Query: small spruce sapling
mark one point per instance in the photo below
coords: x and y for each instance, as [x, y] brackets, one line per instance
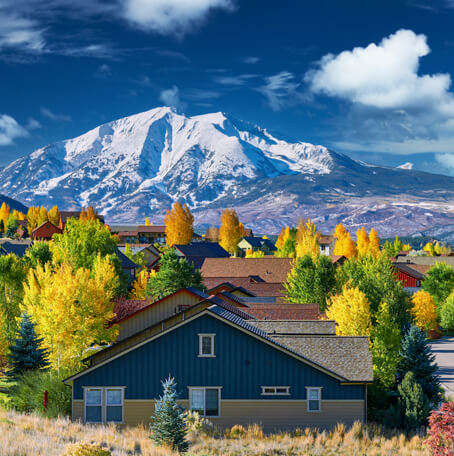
[168, 424]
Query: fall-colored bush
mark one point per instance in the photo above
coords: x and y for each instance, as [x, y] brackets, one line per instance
[85, 449]
[441, 430]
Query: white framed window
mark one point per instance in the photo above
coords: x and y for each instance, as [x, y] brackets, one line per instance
[206, 401]
[103, 404]
[206, 345]
[275, 390]
[314, 399]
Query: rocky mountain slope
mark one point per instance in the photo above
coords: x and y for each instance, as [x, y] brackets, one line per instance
[137, 166]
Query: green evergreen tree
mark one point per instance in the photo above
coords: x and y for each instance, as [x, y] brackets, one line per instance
[168, 424]
[311, 281]
[25, 352]
[413, 403]
[174, 273]
[416, 357]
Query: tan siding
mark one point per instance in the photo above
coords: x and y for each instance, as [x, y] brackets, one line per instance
[272, 415]
[154, 314]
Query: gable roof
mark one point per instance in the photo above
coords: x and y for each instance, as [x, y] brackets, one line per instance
[137, 248]
[47, 222]
[359, 370]
[252, 241]
[202, 249]
[298, 327]
[418, 271]
[126, 263]
[325, 239]
[284, 311]
[245, 284]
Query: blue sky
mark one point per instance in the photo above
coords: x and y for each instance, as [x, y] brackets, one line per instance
[368, 78]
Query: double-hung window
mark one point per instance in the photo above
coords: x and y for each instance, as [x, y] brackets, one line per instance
[205, 400]
[314, 398]
[206, 345]
[104, 404]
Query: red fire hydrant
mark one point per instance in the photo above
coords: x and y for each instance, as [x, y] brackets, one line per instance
[46, 400]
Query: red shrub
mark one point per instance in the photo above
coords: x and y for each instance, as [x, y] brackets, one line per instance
[441, 430]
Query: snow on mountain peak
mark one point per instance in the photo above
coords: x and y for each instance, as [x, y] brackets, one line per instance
[407, 165]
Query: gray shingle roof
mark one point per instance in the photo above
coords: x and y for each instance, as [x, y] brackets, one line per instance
[287, 327]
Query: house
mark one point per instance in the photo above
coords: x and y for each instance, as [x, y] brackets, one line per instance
[424, 260]
[140, 234]
[128, 266]
[256, 244]
[411, 275]
[150, 252]
[16, 247]
[196, 253]
[65, 215]
[230, 369]
[247, 284]
[284, 311]
[326, 243]
[45, 231]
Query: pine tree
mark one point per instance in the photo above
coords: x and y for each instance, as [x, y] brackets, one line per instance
[231, 231]
[25, 352]
[179, 224]
[168, 426]
[413, 403]
[417, 357]
[174, 273]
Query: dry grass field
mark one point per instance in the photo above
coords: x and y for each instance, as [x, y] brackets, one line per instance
[31, 435]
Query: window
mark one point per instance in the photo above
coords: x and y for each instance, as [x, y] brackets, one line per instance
[275, 390]
[104, 405]
[205, 401]
[206, 345]
[314, 399]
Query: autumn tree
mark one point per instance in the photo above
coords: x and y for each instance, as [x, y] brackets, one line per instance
[42, 215]
[19, 215]
[424, 311]
[91, 214]
[148, 222]
[179, 225]
[311, 281]
[374, 243]
[212, 234]
[72, 309]
[32, 218]
[351, 312]
[54, 216]
[447, 313]
[4, 214]
[344, 243]
[231, 231]
[362, 242]
[139, 287]
[307, 238]
[286, 243]
[83, 214]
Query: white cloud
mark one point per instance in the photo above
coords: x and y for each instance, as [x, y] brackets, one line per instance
[33, 124]
[10, 130]
[53, 116]
[239, 80]
[170, 17]
[104, 71]
[281, 90]
[18, 32]
[384, 75]
[171, 97]
[446, 161]
[250, 60]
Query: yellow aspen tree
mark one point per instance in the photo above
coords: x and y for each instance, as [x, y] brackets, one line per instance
[54, 215]
[32, 218]
[362, 242]
[374, 243]
[140, 285]
[351, 312]
[212, 234]
[307, 239]
[4, 215]
[231, 231]
[71, 309]
[429, 249]
[344, 243]
[42, 215]
[424, 310]
[91, 215]
[83, 214]
[179, 224]
[148, 222]
[281, 238]
[19, 215]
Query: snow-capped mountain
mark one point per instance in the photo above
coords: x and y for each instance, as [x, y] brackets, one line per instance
[135, 167]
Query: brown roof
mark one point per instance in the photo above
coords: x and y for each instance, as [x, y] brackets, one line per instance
[151, 229]
[348, 357]
[284, 311]
[289, 327]
[125, 307]
[256, 288]
[418, 271]
[325, 239]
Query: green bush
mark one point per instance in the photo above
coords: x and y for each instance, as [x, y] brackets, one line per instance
[85, 449]
[28, 393]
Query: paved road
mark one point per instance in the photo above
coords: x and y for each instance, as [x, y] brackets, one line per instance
[444, 353]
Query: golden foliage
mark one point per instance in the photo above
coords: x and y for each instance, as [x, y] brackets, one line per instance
[179, 225]
[212, 234]
[4, 215]
[231, 231]
[257, 254]
[19, 215]
[4, 342]
[374, 243]
[307, 238]
[281, 238]
[424, 310]
[71, 308]
[351, 312]
[344, 243]
[140, 285]
[32, 218]
[148, 222]
[91, 215]
[42, 215]
[83, 214]
[367, 244]
[54, 216]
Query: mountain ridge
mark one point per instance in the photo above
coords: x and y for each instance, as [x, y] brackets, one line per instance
[136, 166]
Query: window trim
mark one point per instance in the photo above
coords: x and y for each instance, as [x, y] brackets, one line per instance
[275, 393]
[319, 389]
[204, 388]
[104, 403]
[201, 354]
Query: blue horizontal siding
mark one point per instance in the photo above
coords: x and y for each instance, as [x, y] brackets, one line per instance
[242, 365]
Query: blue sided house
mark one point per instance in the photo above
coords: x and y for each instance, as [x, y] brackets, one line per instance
[232, 369]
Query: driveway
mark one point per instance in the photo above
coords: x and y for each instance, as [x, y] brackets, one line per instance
[443, 350]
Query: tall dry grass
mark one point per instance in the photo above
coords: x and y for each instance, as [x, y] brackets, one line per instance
[31, 435]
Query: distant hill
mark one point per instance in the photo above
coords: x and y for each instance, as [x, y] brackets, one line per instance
[136, 167]
[13, 204]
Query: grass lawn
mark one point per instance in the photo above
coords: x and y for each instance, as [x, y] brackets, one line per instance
[32, 435]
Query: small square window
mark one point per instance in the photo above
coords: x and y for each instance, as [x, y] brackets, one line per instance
[206, 345]
[314, 399]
